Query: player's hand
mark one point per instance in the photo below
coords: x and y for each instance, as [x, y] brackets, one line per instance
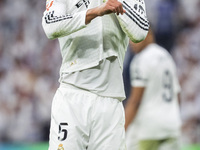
[111, 6]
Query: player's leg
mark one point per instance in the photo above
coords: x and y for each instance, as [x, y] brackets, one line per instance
[69, 120]
[170, 144]
[149, 144]
[107, 132]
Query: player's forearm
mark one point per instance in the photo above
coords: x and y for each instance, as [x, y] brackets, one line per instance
[91, 14]
[133, 104]
[130, 112]
[110, 6]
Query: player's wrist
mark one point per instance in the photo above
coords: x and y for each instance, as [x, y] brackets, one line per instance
[99, 11]
[91, 14]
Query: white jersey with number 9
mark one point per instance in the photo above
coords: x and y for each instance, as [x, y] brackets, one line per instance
[158, 115]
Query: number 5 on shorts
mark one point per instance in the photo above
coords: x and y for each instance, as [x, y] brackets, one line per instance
[62, 128]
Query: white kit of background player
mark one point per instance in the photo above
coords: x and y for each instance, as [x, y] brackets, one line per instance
[87, 111]
[152, 113]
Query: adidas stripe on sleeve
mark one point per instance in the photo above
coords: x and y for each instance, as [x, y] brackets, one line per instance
[134, 22]
[58, 23]
[51, 18]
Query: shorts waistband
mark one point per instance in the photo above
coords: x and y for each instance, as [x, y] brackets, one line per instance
[76, 89]
[73, 88]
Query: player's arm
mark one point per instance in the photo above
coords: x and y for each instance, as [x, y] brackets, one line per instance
[57, 22]
[133, 104]
[134, 22]
[139, 75]
[110, 6]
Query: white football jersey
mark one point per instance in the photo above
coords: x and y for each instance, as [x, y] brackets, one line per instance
[84, 46]
[158, 114]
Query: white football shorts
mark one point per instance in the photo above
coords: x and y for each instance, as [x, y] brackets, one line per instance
[81, 120]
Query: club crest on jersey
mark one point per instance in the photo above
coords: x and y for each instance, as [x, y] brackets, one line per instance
[81, 2]
[49, 3]
[60, 147]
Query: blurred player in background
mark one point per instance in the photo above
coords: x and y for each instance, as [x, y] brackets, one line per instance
[87, 112]
[152, 110]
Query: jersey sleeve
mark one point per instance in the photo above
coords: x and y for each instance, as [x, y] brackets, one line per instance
[134, 22]
[58, 22]
[139, 73]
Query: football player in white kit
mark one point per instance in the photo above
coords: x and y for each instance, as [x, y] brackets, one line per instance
[152, 111]
[87, 111]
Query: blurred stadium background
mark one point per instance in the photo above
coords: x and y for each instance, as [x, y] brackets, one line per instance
[29, 69]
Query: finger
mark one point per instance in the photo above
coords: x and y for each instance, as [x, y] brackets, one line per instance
[118, 6]
[114, 6]
[121, 8]
[118, 10]
[124, 11]
[113, 9]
